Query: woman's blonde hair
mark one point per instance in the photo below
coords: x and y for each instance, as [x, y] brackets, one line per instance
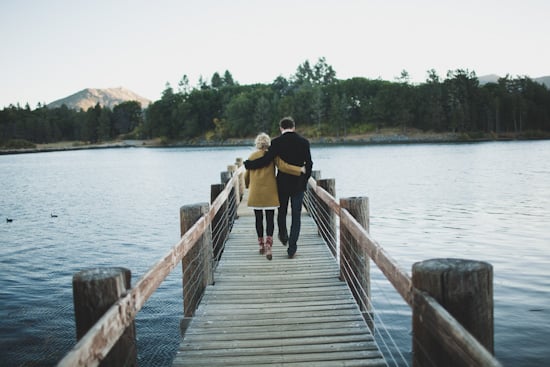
[263, 141]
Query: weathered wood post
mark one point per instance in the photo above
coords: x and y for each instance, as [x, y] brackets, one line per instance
[219, 222]
[94, 292]
[198, 261]
[465, 289]
[355, 258]
[239, 162]
[225, 176]
[316, 174]
[328, 217]
[231, 200]
[236, 185]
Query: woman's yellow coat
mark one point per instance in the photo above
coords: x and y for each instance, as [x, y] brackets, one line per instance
[262, 183]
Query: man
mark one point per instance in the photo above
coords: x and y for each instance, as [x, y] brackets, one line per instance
[294, 149]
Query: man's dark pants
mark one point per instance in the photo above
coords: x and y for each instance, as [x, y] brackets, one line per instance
[296, 210]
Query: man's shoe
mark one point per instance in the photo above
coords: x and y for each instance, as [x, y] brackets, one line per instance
[291, 253]
[283, 240]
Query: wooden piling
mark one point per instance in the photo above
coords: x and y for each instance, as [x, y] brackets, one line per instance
[219, 222]
[464, 288]
[316, 174]
[94, 292]
[225, 176]
[231, 200]
[328, 216]
[355, 257]
[236, 185]
[239, 162]
[198, 261]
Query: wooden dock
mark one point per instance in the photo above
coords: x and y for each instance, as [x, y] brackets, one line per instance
[288, 312]
[283, 312]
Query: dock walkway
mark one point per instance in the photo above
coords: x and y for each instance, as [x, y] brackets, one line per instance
[283, 312]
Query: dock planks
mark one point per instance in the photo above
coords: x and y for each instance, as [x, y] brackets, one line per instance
[283, 312]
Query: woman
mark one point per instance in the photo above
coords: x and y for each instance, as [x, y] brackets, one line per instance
[263, 195]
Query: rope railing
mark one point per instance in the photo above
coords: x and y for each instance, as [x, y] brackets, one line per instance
[441, 338]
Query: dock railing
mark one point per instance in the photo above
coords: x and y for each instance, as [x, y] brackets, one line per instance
[106, 306]
[451, 299]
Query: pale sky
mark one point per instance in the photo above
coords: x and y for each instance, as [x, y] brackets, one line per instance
[50, 49]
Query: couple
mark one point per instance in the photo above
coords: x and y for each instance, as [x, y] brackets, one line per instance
[291, 153]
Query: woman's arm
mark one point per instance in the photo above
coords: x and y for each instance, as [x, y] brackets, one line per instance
[287, 167]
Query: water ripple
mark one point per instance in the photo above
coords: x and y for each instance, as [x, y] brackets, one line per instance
[120, 207]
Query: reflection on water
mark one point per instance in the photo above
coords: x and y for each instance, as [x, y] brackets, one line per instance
[487, 201]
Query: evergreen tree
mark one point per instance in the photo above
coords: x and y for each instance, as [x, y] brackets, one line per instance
[104, 128]
[216, 81]
[228, 79]
[262, 114]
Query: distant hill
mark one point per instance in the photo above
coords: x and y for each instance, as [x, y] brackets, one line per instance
[493, 78]
[108, 97]
[544, 80]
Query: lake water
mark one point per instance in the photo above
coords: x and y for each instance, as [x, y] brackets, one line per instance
[120, 207]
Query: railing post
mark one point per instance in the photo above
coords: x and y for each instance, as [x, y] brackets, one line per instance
[94, 292]
[328, 217]
[225, 176]
[231, 200]
[239, 163]
[316, 174]
[236, 185]
[465, 289]
[219, 222]
[354, 258]
[198, 261]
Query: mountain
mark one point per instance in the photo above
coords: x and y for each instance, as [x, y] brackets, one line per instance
[493, 78]
[543, 80]
[108, 97]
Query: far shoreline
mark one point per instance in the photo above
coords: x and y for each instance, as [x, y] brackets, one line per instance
[386, 138]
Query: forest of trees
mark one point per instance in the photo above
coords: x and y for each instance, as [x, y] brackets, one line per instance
[321, 104]
[20, 127]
